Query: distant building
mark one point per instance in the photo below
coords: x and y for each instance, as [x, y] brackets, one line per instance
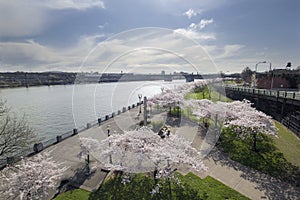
[278, 79]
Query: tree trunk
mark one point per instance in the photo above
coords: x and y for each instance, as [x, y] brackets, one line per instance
[170, 190]
[254, 142]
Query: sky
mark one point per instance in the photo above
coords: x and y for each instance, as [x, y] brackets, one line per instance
[143, 36]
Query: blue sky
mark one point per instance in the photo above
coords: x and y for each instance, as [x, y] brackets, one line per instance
[98, 35]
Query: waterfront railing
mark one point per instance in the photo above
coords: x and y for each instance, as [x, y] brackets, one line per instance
[274, 93]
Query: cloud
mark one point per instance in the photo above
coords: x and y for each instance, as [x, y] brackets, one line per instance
[149, 51]
[205, 22]
[191, 13]
[231, 50]
[74, 4]
[202, 24]
[195, 35]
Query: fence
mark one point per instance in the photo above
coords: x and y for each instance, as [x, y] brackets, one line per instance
[38, 147]
[273, 93]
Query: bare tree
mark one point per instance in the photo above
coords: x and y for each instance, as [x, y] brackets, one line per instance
[3, 108]
[15, 133]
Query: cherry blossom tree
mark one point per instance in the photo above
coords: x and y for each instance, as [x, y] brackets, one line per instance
[238, 115]
[141, 150]
[31, 178]
[200, 108]
[246, 120]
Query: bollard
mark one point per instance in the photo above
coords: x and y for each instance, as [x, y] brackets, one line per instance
[113, 115]
[119, 112]
[10, 160]
[106, 117]
[38, 147]
[99, 121]
[124, 109]
[88, 125]
[75, 131]
[58, 138]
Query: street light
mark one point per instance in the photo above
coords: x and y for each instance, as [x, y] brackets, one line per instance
[140, 97]
[254, 84]
[259, 63]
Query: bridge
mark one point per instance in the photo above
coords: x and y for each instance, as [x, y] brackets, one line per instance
[191, 77]
[283, 106]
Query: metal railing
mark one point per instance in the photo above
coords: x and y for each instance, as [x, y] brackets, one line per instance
[283, 94]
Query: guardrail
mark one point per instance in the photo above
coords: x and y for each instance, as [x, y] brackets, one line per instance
[38, 147]
[273, 93]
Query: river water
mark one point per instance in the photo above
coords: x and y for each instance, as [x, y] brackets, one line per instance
[54, 110]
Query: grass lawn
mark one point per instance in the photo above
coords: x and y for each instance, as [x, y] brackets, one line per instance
[210, 188]
[77, 194]
[140, 186]
[288, 144]
[207, 93]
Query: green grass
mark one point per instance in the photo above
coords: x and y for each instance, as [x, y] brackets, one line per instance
[288, 144]
[267, 159]
[77, 194]
[191, 187]
[207, 93]
[210, 188]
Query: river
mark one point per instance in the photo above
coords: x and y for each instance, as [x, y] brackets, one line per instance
[54, 110]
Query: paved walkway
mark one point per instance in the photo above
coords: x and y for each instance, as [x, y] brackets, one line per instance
[246, 181]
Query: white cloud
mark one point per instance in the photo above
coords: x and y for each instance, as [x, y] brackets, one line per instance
[205, 22]
[191, 13]
[232, 50]
[202, 24]
[73, 4]
[149, 50]
[195, 35]
[193, 26]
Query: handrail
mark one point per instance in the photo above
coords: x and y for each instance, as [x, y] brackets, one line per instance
[266, 92]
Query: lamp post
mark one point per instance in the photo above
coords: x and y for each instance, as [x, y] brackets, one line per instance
[108, 130]
[140, 97]
[256, 72]
[108, 134]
